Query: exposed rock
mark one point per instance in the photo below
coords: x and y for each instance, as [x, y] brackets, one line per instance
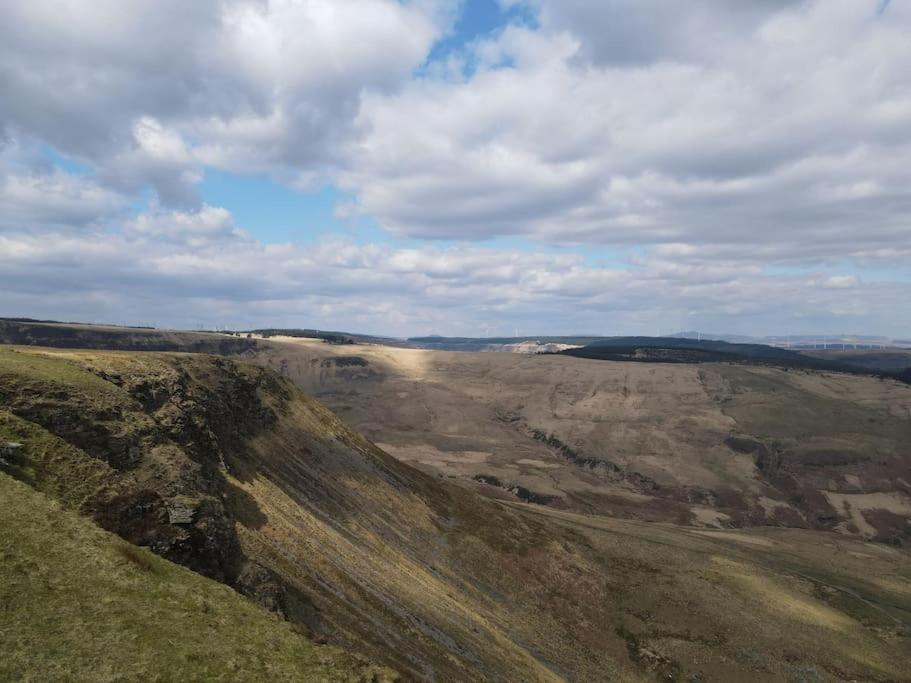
[10, 453]
[181, 510]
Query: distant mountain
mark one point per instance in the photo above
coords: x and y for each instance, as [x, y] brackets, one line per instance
[800, 341]
[683, 350]
[495, 343]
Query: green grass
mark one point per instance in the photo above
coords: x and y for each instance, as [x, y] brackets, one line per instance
[51, 368]
[53, 466]
[80, 604]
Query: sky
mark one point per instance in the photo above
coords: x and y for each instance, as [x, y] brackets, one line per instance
[413, 167]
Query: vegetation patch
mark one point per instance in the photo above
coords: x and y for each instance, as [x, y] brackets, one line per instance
[51, 465]
[78, 604]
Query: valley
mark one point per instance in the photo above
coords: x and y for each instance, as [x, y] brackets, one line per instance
[710, 444]
[469, 516]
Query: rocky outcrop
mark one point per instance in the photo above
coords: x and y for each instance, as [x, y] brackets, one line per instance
[10, 452]
[168, 430]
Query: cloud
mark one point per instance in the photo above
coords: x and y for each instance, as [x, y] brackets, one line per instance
[777, 125]
[638, 32]
[41, 200]
[220, 275]
[256, 85]
[209, 225]
[159, 157]
[840, 282]
[732, 160]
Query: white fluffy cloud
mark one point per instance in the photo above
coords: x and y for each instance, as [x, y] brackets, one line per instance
[220, 275]
[778, 124]
[254, 84]
[208, 225]
[745, 163]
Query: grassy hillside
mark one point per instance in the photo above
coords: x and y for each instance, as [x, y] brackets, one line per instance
[230, 470]
[79, 603]
[887, 360]
[78, 336]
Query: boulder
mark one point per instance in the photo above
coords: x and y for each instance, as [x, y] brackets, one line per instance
[10, 452]
[181, 510]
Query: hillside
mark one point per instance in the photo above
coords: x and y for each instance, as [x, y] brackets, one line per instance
[81, 604]
[889, 360]
[78, 336]
[230, 470]
[710, 444]
[684, 350]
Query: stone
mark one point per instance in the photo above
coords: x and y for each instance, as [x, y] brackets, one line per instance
[10, 452]
[181, 511]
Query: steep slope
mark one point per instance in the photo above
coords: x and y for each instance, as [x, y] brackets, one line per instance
[233, 473]
[230, 470]
[78, 603]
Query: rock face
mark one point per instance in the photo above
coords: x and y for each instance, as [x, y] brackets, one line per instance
[181, 510]
[166, 429]
[10, 453]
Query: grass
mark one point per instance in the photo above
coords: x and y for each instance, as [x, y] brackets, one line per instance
[80, 604]
[53, 466]
[52, 367]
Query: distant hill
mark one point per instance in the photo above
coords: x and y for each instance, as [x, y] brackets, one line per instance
[802, 341]
[25, 332]
[682, 350]
[438, 343]
[889, 360]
